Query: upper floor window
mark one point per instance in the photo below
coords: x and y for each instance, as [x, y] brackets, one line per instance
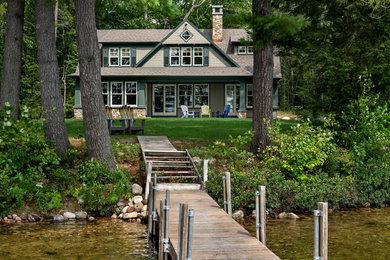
[125, 56]
[198, 56]
[114, 56]
[245, 50]
[186, 54]
[175, 56]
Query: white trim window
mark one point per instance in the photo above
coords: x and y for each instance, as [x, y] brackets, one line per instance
[131, 93]
[186, 56]
[125, 56]
[116, 94]
[201, 94]
[198, 56]
[185, 95]
[241, 49]
[249, 49]
[174, 56]
[105, 93]
[249, 95]
[114, 56]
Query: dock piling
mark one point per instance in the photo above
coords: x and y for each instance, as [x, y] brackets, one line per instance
[190, 233]
[205, 172]
[154, 202]
[261, 216]
[224, 193]
[321, 231]
[149, 168]
[228, 193]
[150, 202]
[166, 227]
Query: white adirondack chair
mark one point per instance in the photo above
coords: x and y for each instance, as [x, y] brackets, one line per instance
[187, 113]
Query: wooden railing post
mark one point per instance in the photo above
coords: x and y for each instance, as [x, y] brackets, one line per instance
[263, 215]
[148, 178]
[205, 172]
[228, 194]
[323, 206]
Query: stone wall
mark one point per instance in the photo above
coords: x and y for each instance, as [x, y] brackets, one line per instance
[217, 28]
[137, 112]
[241, 114]
[77, 113]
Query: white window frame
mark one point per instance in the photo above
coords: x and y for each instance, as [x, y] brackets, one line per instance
[208, 94]
[136, 94]
[192, 94]
[182, 56]
[193, 62]
[126, 56]
[247, 50]
[247, 96]
[116, 94]
[106, 94]
[170, 56]
[241, 48]
[109, 56]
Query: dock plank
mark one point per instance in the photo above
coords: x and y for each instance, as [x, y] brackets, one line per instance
[216, 235]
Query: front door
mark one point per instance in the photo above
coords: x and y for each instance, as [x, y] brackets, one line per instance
[164, 99]
[232, 97]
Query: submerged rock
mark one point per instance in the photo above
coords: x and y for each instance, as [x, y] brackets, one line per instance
[292, 216]
[33, 217]
[114, 216]
[91, 218]
[58, 218]
[136, 189]
[81, 215]
[130, 215]
[69, 216]
[282, 215]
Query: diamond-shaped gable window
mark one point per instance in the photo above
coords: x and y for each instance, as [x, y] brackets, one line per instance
[186, 35]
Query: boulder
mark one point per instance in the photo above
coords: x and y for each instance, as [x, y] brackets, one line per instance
[282, 215]
[58, 218]
[91, 218]
[292, 216]
[33, 217]
[120, 204]
[136, 189]
[138, 206]
[114, 216]
[137, 199]
[124, 210]
[23, 216]
[144, 214]
[14, 216]
[238, 215]
[197, 160]
[18, 219]
[145, 208]
[120, 215]
[130, 209]
[69, 216]
[81, 215]
[129, 215]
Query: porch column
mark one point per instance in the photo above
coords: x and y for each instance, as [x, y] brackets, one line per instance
[242, 109]
[141, 93]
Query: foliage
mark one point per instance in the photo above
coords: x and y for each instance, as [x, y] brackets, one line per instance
[101, 187]
[126, 152]
[300, 152]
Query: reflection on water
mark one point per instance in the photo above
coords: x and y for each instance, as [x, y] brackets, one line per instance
[360, 234]
[103, 239]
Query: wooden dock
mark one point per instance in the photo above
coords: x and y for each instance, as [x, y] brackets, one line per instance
[215, 234]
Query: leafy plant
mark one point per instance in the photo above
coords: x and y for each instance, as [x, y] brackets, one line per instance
[126, 152]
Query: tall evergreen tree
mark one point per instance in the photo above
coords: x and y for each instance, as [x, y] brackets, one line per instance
[12, 59]
[97, 137]
[55, 129]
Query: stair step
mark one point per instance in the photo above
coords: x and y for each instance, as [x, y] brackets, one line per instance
[170, 153]
[168, 172]
[177, 177]
[165, 158]
[173, 162]
[172, 166]
[178, 186]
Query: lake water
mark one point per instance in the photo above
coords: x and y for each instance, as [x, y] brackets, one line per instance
[359, 234]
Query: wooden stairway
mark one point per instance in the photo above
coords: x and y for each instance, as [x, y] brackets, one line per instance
[173, 168]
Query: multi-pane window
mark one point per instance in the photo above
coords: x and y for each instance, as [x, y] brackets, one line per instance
[175, 56]
[131, 93]
[105, 92]
[114, 56]
[249, 95]
[201, 94]
[245, 49]
[198, 56]
[185, 95]
[186, 55]
[125, 56]
[249, 49]
[116, 93]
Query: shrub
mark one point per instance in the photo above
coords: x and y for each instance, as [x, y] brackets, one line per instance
[127, 152]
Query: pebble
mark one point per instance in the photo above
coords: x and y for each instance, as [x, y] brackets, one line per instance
[137, 199]
[136, 189]
[58, 218]
[81, 215]
[69, 216]
[33, 217]
[91, 218]
[138, 220]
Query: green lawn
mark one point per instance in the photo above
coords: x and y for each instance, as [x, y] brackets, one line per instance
[185, 128]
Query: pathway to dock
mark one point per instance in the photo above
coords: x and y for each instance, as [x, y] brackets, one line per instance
[216, 235]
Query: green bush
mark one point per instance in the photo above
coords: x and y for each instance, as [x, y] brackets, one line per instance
[126, 152]
[101, 187]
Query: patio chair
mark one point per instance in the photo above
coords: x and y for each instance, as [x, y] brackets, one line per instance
[187, 113]
[110, 122]
[204, 111]
[225, 113]
[133, 129]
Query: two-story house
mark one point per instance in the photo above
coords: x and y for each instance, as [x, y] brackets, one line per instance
[155, 71]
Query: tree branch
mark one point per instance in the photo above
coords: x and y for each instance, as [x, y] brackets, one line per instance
[194, 6]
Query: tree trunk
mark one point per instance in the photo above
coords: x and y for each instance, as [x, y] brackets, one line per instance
[262, 85]
[12, 59]
[55, 129]
[97, 137]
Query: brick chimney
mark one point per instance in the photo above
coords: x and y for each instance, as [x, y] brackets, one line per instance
[217, 23]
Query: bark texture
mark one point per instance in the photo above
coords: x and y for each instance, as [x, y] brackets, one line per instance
[97, 136]
[262, 85]
[55, 129]
[12, 59]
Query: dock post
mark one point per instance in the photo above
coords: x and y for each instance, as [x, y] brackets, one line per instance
[224, 193]
[228, 194]
[257, 194]
[154, 202]
[321, 231]
[166, 228]
[183, 222]
[263, 215]
[150, 203]
[161, 232]
[148, 178]
[205, 172]
[190, 233]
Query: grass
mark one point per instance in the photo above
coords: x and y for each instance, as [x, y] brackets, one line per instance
[185, 128]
